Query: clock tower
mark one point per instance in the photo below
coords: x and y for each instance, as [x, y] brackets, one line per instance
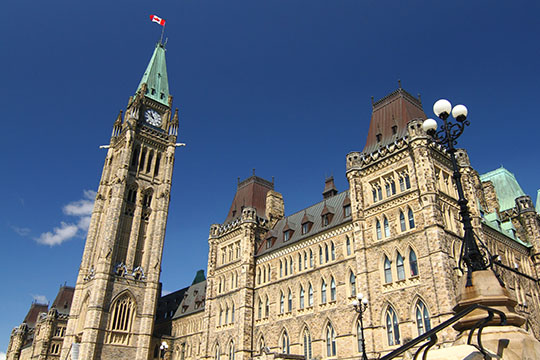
[113, 310]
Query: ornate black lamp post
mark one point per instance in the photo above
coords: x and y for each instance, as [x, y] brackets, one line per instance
[360, 305]
[447, 137]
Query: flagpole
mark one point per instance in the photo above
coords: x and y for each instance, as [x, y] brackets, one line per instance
[162, 31]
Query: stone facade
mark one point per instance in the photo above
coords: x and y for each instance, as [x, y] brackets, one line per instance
[281, 286]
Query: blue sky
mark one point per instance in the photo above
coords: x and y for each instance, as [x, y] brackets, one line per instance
[283, 86]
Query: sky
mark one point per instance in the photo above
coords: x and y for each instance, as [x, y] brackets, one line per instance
[282, 86]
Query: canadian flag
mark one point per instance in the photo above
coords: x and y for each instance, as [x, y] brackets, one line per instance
[157, 19]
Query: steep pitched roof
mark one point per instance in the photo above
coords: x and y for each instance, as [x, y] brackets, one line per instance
[250, 193]
[35, 309]
[193, 300]
[63, 300]
[314, 214]
[506, 187]
[390, 117]
[155, 77]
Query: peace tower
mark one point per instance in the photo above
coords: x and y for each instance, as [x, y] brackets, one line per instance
[113, 309]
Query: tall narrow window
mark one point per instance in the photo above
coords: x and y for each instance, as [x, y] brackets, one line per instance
[301, 297]
[378, 227]
[348, 245]
[374, 192]
[289, 302]
[280, 268]
[320, 255]
[400, 267]
[387, 188]
[402, 221]
[218, 353]
[281, 303]
[267, 307]
[326, 252]
[226, 314]
[332, 289]
[333, 250]
[392, 327]
[401, 184]
[299, 262]
[413, 263]
[359, 337]
[232, 314]
[220, 316]
[231, 351]
[260, 309]
[149, 162]
[379, 192]
[305, 260]
[407, 181]
[285, 343]
[387, 270]
[330, 341]
[286, 266]
[156, 167]
[393, 186]
[121, 320]
[352, 282]
[386, 227]
[423, 322]
[411, 219]
[143, 158]
[323, 292]
[291, 266]
[307, 345]
[310, 295]
[310, 258]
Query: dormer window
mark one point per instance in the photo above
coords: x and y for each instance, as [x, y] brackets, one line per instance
[153, 91]
[347, 210]
[326, 219]
[269, 242]
[305, 228]
[287, 235]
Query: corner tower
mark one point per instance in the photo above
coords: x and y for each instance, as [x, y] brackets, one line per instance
[113, 310]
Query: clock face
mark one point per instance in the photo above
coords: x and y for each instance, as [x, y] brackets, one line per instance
[152, 117]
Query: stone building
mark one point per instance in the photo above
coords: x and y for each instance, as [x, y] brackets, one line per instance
[280, 285]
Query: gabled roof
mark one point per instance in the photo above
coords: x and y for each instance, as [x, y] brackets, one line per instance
[395, 109]
[193, 300]
[63, 300]
[155, 77]
[506, 187]
[294, 221]
[35, 309]
[250, 193]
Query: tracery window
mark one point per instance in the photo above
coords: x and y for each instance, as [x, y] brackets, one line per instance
[423, 322]
[392, 327]
[121, 320]
[330, 341]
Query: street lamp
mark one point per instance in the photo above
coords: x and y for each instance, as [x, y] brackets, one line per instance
[164, 346]
[447, 136]
[360, 305]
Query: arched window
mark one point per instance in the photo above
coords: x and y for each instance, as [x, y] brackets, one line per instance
[123, 312]
[423, 322]
[269, 277]
[226, 314]
[310, 295]
[218, 353]
[378, 227]
[352, 282]
[280, 269]
[232, 314]
[326, 252]
[267, 307]
[282, 303]
[299, 262]
[407, 181]
[392, 327]
[301, 297]
[413, 263]
[387, 270]
[333, 250]
[323, 292]
[260, 309]
[261, 345]
[220, 316]
[330, 341]
[310, 258]
[402, 221]
[289, 301]
[285, 343]
[332, 290]
[320, 255]
[231, 350]
[400, 267]
[411, 219]
[143, 157]
[305, 260]
[291, 266]
[307, 345]
[286, 267]
[393, 185]
[348, 245]
[386, 227]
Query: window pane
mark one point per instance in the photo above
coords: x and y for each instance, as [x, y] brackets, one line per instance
[387, 270]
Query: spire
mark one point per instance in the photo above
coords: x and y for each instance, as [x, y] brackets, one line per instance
[155, 77]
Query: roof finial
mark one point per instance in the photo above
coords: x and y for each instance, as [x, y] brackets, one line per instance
[253, 171]
[399, 83]
[372, 100]
[272, 180]
[419, 98]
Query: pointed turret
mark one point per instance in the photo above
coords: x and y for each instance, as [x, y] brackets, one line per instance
[155, 77]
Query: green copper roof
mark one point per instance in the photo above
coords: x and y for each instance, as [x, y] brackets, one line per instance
[155, 77]
[506, 187]
[199, 277]
[538, 201]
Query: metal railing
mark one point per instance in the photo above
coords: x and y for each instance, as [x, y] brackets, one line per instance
[432, 334]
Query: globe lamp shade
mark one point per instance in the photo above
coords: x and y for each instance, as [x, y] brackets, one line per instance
[442, 108]
[429, 125]
[459, 112]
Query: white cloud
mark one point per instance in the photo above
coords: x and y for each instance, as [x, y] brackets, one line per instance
[58, 235]
[80, 208]
[40, 299]
[22, 232]
[2, 355]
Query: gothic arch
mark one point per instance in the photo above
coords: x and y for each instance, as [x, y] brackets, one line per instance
[120, 294]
